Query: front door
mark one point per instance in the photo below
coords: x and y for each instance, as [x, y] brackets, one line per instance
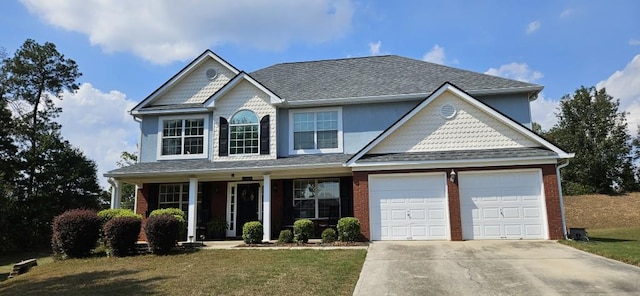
[248, 198]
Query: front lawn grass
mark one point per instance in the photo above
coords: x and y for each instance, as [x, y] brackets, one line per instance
[204, 272]
[622, 244]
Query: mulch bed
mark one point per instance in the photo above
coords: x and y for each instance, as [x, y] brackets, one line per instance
[291, 245]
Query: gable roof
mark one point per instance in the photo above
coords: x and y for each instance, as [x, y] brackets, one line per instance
[210, 102]
[182, 73]
[448, 87]
[368, 78]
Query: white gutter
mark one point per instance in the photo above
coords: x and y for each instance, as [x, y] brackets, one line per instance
[564, 223]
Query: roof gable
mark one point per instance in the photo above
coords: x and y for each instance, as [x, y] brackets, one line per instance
[475, 126]
[191, 84]
[227, 88]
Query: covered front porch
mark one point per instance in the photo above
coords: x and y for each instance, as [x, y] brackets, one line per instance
[276, 198]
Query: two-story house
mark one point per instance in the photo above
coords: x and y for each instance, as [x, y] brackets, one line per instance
[414, 150]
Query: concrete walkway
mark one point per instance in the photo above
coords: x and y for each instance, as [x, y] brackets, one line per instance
[491, 268]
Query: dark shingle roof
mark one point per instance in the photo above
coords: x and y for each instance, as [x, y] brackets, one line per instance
[458, 155]
[373, 76]
[205, 165]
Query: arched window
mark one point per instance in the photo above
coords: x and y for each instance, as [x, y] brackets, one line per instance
[243, 133]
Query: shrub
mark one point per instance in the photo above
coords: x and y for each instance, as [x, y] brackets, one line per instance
[329, 235]
[348, 229]
[252, 232]
[178, 214]
[286, 237]
[109, 214]
[75, 233]
[121, 234]
[162, 233]
[302, 230]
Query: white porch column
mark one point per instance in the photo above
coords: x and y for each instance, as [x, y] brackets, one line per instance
[116, 194]
[266, 208]
[191, 225]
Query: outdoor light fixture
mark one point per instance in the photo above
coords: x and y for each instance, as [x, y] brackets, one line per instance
[452, 176]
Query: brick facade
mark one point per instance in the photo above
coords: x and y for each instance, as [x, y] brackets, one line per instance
[552, 197]
[142, 205]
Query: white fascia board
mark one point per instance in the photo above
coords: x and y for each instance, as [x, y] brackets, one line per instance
[229, 170]
[178, 77]
[453, 163]
[169, 111]
[211, 102]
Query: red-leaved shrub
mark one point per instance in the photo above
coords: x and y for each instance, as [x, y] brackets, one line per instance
[75, 233]
[121, 235]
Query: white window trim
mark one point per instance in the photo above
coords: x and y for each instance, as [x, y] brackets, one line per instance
[339, 149]
[205, 148]
[184, 195]
[229, 136]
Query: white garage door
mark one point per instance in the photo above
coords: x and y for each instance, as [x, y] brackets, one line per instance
[408, 207]
[502, 205]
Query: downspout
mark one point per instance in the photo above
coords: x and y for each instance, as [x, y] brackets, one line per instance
[564, 223]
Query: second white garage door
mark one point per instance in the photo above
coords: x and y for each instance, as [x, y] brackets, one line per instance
[408, 207]
[502, 205]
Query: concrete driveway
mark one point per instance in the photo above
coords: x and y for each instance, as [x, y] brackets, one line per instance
[491, 268]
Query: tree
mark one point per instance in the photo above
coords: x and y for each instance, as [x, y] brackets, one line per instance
[591, 126]
[33, 74]
[46, 175]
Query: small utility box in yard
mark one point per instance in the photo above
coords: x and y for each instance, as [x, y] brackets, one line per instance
[23, 266]
[579, 234]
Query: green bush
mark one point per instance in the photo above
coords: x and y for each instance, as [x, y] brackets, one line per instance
[329, 235]
[302, 230]
[121, 235]
[217, 228]
[286, 237]
[162, 233]
[252, 232]
[109, 214]
[75, 233]
[348, 229]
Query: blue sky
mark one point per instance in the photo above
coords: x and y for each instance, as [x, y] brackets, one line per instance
[126, 49]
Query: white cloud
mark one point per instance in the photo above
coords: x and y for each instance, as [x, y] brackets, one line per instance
[543, 112]
[517, 71]
[566, 13]
[163, 31]
[374, 48]
[98, 123]
[623, 85]
[435, 55]
[533, 26]
[634, 42]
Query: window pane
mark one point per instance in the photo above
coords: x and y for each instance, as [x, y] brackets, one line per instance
[171, 146]
[244, 117]
[194, 127]
[244, 139]
[328, 208]
[304, 208]
[303, 140]
[327, 120]
[327, 139]
[172, 128]
[303, 122]
[304, 189]
[193, 145]
[329, 189]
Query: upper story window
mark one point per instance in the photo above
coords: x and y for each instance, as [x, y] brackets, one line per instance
[315, 131]
[182, 137]
[243, 133]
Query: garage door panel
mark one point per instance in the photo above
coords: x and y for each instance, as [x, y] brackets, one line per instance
[408, 207]
[502, 204]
